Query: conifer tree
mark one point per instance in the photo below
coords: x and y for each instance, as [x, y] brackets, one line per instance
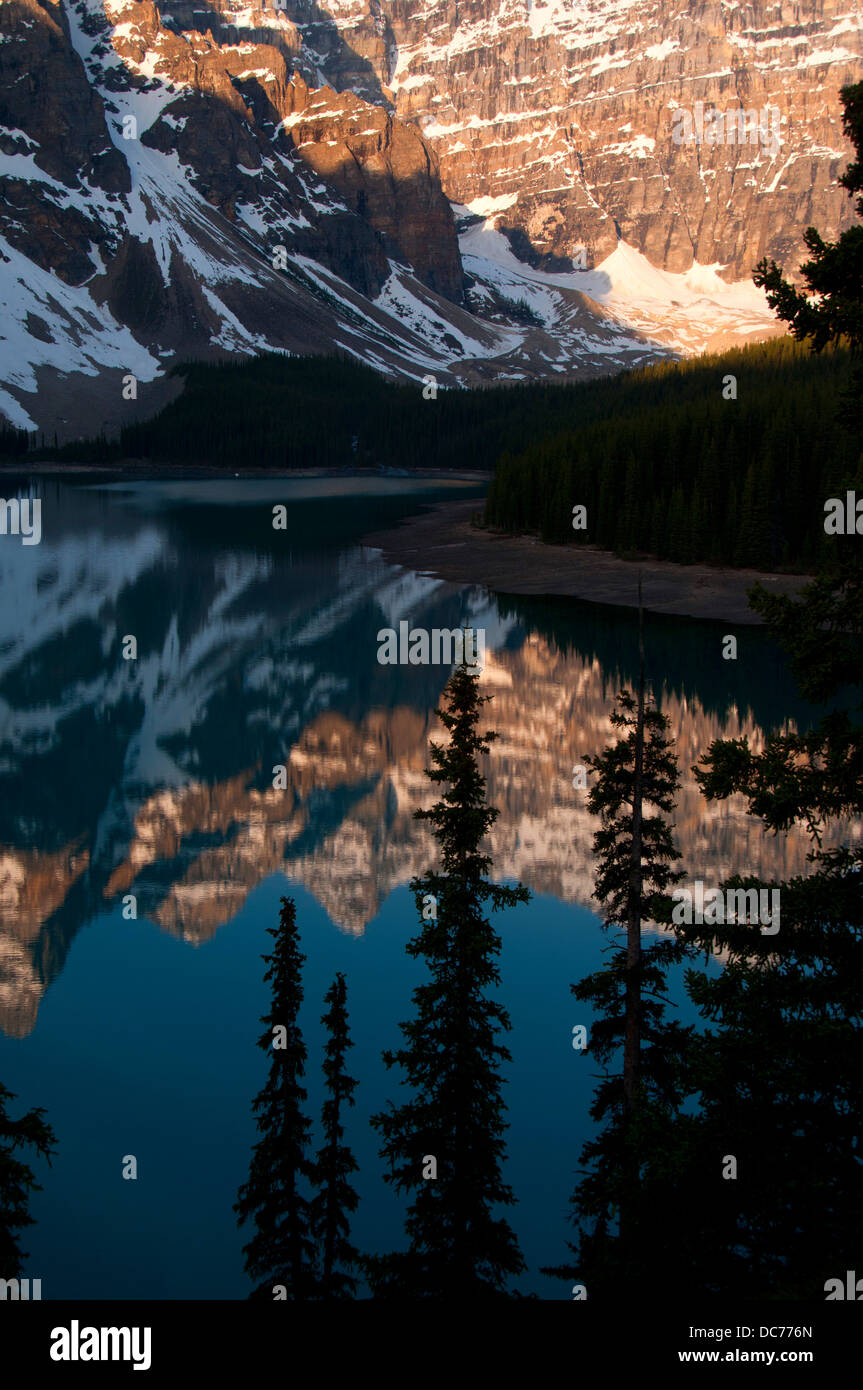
[829, 308]
[17, 1180]
[445, 1143]
[640, 1051]
[777, 1077]
[281, 1251]
[335, 1199]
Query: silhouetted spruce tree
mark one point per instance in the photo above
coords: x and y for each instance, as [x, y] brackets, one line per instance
[335, 1199]
[829, 308]
[459, 1246]
[640, 1050]
[282, 1249]
[776, 1079]
[17, 1180]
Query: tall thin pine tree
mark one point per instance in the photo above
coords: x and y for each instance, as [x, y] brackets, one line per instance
[635, 852]
[335, 1200]
[282, 1251]
[445, 1144]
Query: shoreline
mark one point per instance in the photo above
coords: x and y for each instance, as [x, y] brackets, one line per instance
[139, 470]
[442, 542]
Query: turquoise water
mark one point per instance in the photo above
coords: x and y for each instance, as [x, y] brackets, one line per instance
[154, 777]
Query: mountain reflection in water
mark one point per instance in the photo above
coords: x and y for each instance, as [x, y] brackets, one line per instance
[153, 779]
[257, 648]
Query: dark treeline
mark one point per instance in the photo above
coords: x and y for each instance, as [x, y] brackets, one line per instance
[13, 443]
[666, 466]
[281, 412]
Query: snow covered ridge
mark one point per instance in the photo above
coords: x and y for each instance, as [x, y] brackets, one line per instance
[202, 182]
[162, 211]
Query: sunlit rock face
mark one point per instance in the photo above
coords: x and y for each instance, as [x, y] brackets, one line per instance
[32, 887]
[560, 118]
[236, 122]
[154, 160]
[150, 169]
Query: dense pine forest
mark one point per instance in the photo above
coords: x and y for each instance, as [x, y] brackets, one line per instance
[13, 443]
[277, 412]
[721, 460]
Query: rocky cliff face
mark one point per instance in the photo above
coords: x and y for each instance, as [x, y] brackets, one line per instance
[566, 117]
[165, 194]
[566, 120]
[85, 88]
[187, 181]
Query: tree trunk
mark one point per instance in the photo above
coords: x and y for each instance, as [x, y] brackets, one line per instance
[632, 1039]
[632, 1018]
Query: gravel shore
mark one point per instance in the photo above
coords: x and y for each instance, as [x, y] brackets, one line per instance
[442, 541]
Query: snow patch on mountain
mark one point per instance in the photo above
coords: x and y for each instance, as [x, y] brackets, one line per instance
[72, 333]
[690, 311]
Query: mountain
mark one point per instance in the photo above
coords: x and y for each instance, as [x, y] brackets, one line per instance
[562, 117]
[482, 191]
